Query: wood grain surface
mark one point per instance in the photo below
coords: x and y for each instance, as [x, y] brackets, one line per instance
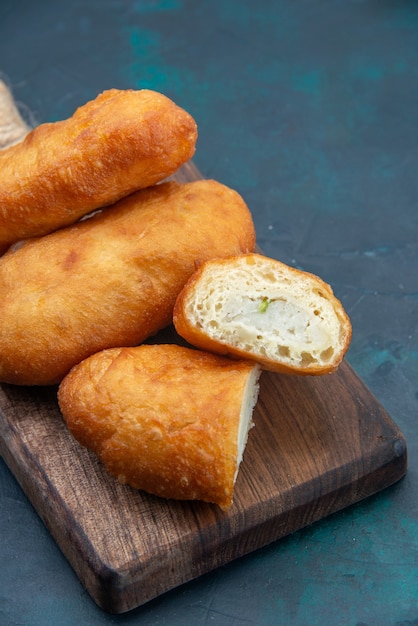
[319, 444]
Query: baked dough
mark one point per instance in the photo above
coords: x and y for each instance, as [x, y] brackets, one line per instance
[258, 308]
[163, 418]
[112, 146]
[111, 280]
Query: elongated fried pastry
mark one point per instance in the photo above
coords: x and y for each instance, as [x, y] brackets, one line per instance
[111, 280]
[112, 146]
[166, 419]
[258, 308]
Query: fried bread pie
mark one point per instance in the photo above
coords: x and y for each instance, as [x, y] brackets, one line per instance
[111, 280]
[122, 141]
[170, 420]
[254, 307]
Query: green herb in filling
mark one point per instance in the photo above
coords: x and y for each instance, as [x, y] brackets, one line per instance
[263, 306]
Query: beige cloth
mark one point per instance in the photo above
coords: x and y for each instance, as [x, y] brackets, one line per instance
[12, 126]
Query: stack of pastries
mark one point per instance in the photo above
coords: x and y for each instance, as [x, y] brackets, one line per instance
[100, 252]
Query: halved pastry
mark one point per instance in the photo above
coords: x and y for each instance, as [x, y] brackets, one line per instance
[170, 420]
[253, 307]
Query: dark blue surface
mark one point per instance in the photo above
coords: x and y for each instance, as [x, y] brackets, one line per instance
[310, 110]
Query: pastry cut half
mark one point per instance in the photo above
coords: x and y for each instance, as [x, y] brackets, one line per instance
[253, 307]
[167, 419]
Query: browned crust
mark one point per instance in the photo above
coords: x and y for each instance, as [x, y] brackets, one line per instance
[162, 418]
[199, 338]
[112, 146]
[111, 280]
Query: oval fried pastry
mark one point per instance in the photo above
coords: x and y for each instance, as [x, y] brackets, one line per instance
[172, 421]
[122, 141]
[111, 280]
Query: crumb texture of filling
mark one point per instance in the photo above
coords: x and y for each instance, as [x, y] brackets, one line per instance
[267, 312]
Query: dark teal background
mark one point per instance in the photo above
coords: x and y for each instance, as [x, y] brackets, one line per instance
[310, 110]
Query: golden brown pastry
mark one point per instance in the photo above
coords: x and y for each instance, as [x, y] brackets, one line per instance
[258, 308]
[111, 280]
[112, 146]
[172, 421]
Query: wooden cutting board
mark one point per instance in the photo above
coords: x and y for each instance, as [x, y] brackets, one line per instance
[319, 444]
